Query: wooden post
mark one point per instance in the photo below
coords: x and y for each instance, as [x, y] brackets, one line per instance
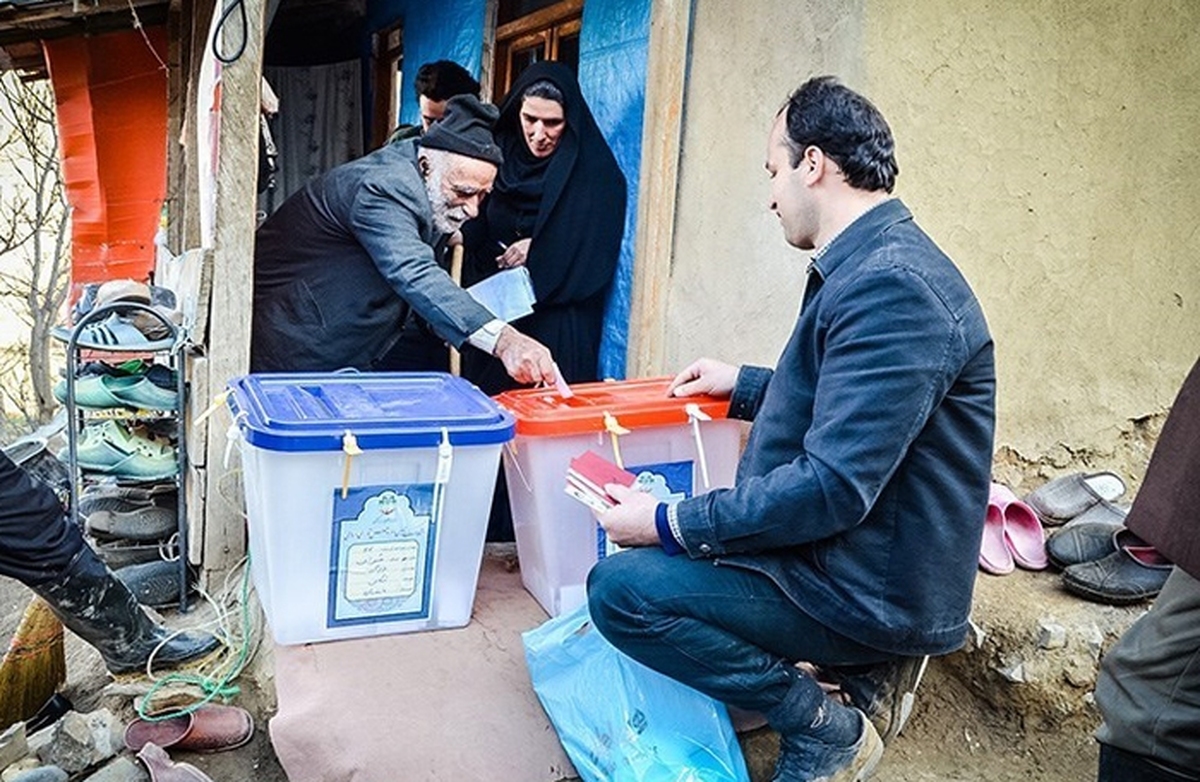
[228, 346]
[670, 23]
[189, 31]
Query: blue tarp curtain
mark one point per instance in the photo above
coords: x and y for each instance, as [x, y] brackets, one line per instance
[613, 46]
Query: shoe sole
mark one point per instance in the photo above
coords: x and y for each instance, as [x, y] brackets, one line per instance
[193, 665]
[868, 769]
[902, 707]
[1106, 598]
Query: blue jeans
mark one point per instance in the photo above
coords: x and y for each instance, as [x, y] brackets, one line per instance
[726, 631]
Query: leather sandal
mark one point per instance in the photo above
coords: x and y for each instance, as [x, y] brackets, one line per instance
[210, 728]
[163, 769]
[1131, 574]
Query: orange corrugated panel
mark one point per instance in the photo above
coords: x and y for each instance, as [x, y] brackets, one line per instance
[111, 92]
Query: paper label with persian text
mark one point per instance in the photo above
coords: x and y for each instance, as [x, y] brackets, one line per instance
[381, 561]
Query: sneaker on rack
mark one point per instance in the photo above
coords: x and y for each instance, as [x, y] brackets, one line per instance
[113, 449]
[91, 393]
[119, 553]
[125, 499]
[140, 392]
[148, 523]
[154, 584]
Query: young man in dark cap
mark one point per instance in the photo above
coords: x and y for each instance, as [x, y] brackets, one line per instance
[339, 266]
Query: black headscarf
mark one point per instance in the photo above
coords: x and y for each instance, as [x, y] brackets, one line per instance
[572, 205]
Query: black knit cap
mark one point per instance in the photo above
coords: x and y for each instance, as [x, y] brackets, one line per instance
[466, 129]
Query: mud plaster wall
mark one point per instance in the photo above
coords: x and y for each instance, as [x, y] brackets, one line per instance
[1049, 148]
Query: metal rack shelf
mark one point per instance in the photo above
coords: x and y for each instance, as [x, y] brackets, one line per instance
[172, 349]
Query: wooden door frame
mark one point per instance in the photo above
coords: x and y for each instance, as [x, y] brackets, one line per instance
[384, 107]
[658, 185]
[543, 22]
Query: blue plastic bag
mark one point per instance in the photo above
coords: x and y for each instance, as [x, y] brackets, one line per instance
[618, 720]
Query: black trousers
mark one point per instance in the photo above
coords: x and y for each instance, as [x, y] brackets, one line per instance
[36, 542]
[1117, 765]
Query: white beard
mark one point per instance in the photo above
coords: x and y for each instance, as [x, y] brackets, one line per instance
[446, 218]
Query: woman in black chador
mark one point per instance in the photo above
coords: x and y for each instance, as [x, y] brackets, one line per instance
[557, 207]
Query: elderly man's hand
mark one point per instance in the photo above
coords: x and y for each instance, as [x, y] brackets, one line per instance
[525, 359]
[631, 521]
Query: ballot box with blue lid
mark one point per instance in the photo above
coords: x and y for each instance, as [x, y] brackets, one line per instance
[367, 498]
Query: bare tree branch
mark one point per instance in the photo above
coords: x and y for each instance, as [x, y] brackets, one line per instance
[34, 243]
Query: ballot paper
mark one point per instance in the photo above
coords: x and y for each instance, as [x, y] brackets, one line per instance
[508, 294]
[560, 384]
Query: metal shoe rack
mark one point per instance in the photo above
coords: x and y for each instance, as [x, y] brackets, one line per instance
[170, 349]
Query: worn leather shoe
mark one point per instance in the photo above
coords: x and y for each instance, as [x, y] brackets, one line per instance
[1129, 575]
[210, 728]
[149, 523]
[1078, 543]
[885, 693]
[837, 764]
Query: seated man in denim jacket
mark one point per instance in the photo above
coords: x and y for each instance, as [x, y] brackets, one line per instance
[851, 536]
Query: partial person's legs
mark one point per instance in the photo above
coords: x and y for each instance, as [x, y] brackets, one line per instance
[100, 609]
[1117, 765]
[416, 350]
[42, 550]
[1148, 690]
[35, 541]
[733, 635]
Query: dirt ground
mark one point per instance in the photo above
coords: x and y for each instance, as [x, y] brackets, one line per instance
[968, 726]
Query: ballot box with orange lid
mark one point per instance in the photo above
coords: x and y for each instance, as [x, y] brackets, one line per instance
[679, 446]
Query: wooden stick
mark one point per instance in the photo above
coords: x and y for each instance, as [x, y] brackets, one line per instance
[456, 262]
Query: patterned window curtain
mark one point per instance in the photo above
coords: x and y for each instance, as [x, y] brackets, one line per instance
[319, 125]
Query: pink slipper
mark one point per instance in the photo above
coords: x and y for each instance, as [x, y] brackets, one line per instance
[994, 555]
[1023, 534]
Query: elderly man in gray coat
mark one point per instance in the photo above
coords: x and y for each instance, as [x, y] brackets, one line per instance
[340, 264]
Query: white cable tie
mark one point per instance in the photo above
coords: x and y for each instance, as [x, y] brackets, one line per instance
[696, 415]
[445, 458]
[232, 435]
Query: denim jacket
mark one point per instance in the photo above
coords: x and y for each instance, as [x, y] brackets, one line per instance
[863, 487]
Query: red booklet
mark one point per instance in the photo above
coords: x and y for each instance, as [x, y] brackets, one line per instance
[587, 476]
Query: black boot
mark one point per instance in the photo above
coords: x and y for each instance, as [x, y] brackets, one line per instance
[101, 610]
